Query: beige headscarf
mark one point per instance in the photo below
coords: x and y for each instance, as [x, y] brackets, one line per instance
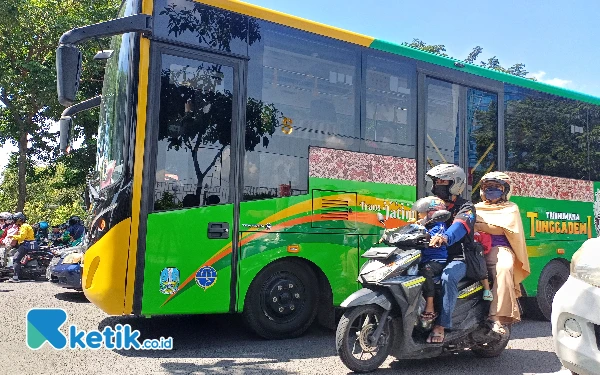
[504, 218]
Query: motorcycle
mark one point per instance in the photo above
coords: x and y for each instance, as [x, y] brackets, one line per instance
[383, 318]
[33, 264]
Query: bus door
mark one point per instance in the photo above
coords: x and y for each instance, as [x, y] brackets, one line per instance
[461, 127]
[190, 237]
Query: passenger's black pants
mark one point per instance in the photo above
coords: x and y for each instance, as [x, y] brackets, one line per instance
[429, 270]
[23, 249]
[21, 252]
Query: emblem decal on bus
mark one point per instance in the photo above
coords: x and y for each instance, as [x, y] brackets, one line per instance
[169, 280]
[206, 277]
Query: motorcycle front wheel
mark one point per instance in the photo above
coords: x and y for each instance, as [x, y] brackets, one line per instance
[354, 338]
[493, 349]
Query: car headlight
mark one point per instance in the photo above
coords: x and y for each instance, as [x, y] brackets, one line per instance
[72, 258]
[585, 264]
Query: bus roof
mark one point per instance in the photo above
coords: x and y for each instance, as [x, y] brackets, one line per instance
[397, 49]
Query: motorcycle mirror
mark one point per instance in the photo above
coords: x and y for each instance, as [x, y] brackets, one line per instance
[440, 216]
[380, 218]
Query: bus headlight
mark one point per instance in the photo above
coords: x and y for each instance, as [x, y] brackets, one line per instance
[585, 264]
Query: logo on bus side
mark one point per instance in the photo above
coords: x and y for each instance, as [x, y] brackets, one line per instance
[169, 280]
[206, 277]
[559, 223]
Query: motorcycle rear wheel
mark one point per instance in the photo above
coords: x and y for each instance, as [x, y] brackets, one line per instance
[493, 349]
[352, 338]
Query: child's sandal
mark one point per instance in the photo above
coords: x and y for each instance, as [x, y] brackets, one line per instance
[487, 295]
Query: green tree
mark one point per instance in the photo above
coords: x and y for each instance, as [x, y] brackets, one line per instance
[29, 34]
[491, 63]
[50, 198]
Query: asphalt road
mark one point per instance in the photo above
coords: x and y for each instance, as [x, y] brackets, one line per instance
[220, 344]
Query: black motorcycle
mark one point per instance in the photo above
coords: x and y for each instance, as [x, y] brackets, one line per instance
[33, 264]
[382, 318]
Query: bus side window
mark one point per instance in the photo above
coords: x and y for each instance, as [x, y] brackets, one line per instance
[304, 90]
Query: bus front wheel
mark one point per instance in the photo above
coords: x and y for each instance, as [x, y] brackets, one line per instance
[282, 300]
[553, 276]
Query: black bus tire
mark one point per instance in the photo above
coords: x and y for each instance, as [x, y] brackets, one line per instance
[282, 300]
[552, 278]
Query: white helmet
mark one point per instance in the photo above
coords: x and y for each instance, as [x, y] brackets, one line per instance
[5, 215]
[501, 178]
[452, 173]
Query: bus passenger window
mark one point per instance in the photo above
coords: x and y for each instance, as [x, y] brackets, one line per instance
[302, 92]
[390, 119]
[546, 134]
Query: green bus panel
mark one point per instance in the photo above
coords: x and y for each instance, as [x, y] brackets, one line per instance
[178, 240]
[553, 229]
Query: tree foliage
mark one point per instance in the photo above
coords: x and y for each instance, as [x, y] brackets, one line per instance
[49, 197]
[29, 34]
[491, 63]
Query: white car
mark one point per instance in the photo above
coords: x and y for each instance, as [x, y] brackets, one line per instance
[576, 313]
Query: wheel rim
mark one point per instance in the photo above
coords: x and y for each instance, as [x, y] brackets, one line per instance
[360, 334]
[553, 285]
[283, 297]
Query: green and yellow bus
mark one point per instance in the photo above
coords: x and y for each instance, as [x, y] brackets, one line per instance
[243, 155]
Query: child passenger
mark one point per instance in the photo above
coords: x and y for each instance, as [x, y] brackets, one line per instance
[433, 259]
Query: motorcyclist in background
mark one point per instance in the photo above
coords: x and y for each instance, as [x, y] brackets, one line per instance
[55, 236]
[42, 233]
[5, 223]
[74, 233]
[10, 230]
[25, 242]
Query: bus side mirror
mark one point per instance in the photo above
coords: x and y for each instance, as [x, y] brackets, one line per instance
[68, 73]
[65, 123]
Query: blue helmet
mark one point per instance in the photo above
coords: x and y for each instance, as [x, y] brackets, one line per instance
[44, 225]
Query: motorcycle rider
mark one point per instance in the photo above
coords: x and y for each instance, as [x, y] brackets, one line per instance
[74, 233]
[7, 240]
[25, 242]
[42, 233]
[3, 217]
[55, 235]
[449, 181]
[5, 223]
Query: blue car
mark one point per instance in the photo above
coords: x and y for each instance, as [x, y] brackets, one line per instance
[66, 271]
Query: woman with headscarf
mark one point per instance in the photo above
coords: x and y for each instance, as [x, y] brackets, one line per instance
[507, 259]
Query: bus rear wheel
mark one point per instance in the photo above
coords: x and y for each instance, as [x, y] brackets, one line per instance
[282, 300]
[553, 276]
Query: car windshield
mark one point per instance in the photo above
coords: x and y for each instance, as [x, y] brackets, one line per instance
[113, 111]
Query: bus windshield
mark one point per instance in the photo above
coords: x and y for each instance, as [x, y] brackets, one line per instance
[113, 111]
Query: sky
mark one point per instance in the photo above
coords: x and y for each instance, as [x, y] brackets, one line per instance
[556, 40]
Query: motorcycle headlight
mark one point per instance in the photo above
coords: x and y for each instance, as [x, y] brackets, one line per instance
[379, 273]
[72, 258]
[585, 264]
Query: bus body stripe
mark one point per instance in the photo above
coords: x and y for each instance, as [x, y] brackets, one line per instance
[140, 136]
[289, 20]
[371, 219]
